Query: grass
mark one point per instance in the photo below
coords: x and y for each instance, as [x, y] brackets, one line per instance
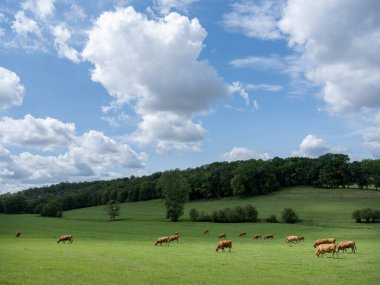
[123, 252]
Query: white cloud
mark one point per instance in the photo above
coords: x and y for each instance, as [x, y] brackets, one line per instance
[92, 156]
[313, 146]
[45, 134]
[40, 8]
[371, 140]
[342, 51]
[255, 19]
[242, 153]
[165, 6]
[153, 65]
[23, 25]
[62, 36]
[257, 62]
[11, 89]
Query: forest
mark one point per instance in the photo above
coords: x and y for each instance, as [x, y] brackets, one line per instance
[212, 181]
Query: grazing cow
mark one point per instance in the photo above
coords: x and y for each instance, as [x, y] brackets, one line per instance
[291, 239]
[242, 234]
[268, 237]
[66, 238]
[205, 232]
[223, 244]
[222, 235]
[173, 238]
[18, 234]
[343, 245]
[324, 240]
[300, 238]
[161, 240]
[326, 247]
[257, 236]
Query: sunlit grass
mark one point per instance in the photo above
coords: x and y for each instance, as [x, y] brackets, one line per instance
[123, 252]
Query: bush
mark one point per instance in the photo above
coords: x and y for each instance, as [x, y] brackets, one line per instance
[367, 214]
[194, 215]
[51, 210]
[251, 213]
[357, 216]
[272, 219]
[289, 216]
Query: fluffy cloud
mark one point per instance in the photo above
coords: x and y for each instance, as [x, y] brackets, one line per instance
[11, 89]
[255, 19]
[40, 8]
[45, 134]
[342, 51]
[242, 153]
[153, 66]
[313, 146]
[23, 25]
[62, 36]
[91, 156]
[371, 140]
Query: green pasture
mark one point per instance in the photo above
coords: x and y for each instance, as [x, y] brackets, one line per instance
[123, 252]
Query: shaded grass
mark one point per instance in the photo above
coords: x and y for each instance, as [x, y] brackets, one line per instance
[122, 252]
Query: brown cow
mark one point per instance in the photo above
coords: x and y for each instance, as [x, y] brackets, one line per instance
[222, 235]
[268, 237]
[66, 238]
[326, 247]
[291, 239]
[257, 236]
[343, 245]
[161, 240]
[324, 240]
[18, 234]
[205, 232]
[300, 238]
[173, 238]
[242, 234]
[223, 244]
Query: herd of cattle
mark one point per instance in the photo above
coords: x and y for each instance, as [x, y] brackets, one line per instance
[325, 245]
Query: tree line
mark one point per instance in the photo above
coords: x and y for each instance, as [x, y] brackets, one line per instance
[212, 181]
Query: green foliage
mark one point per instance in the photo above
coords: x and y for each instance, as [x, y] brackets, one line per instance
[113, 209]
[272, 219]
[367, 214]
[289, 216]
[51, 210]
[175, 190]
[238, 214]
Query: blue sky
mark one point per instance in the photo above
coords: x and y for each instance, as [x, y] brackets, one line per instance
[95, 90]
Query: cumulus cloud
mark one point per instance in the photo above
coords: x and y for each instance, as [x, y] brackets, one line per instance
[257, 19]
[45, 134]
[40, 8]
[313, 146]
[153, 65]
[242, 153]
[62, 36]
[24, 25]
[11, 89]
[91, 156]
[342, 50]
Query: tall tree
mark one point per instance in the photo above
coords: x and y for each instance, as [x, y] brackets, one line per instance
[175, 191]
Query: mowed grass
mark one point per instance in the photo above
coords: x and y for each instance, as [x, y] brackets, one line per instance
[123, 252]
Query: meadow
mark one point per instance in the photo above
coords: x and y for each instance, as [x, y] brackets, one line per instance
[123, 252]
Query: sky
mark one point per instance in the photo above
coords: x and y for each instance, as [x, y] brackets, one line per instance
[102, 89]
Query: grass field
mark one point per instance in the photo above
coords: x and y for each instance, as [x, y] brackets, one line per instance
[123, 252]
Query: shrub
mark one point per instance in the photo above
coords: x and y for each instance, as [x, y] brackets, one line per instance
[251, 213]
[272, 219]
[51, 210]
[289, 216]
[357, 216]
[194, 215]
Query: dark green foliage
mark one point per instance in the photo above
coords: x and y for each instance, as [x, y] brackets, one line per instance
[113, 209]
[272, 219]
[369, 215]
[175, 191]
[51, 210]
[289, 216]
[237, 214]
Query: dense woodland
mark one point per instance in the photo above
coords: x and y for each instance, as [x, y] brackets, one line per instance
[213, 181]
